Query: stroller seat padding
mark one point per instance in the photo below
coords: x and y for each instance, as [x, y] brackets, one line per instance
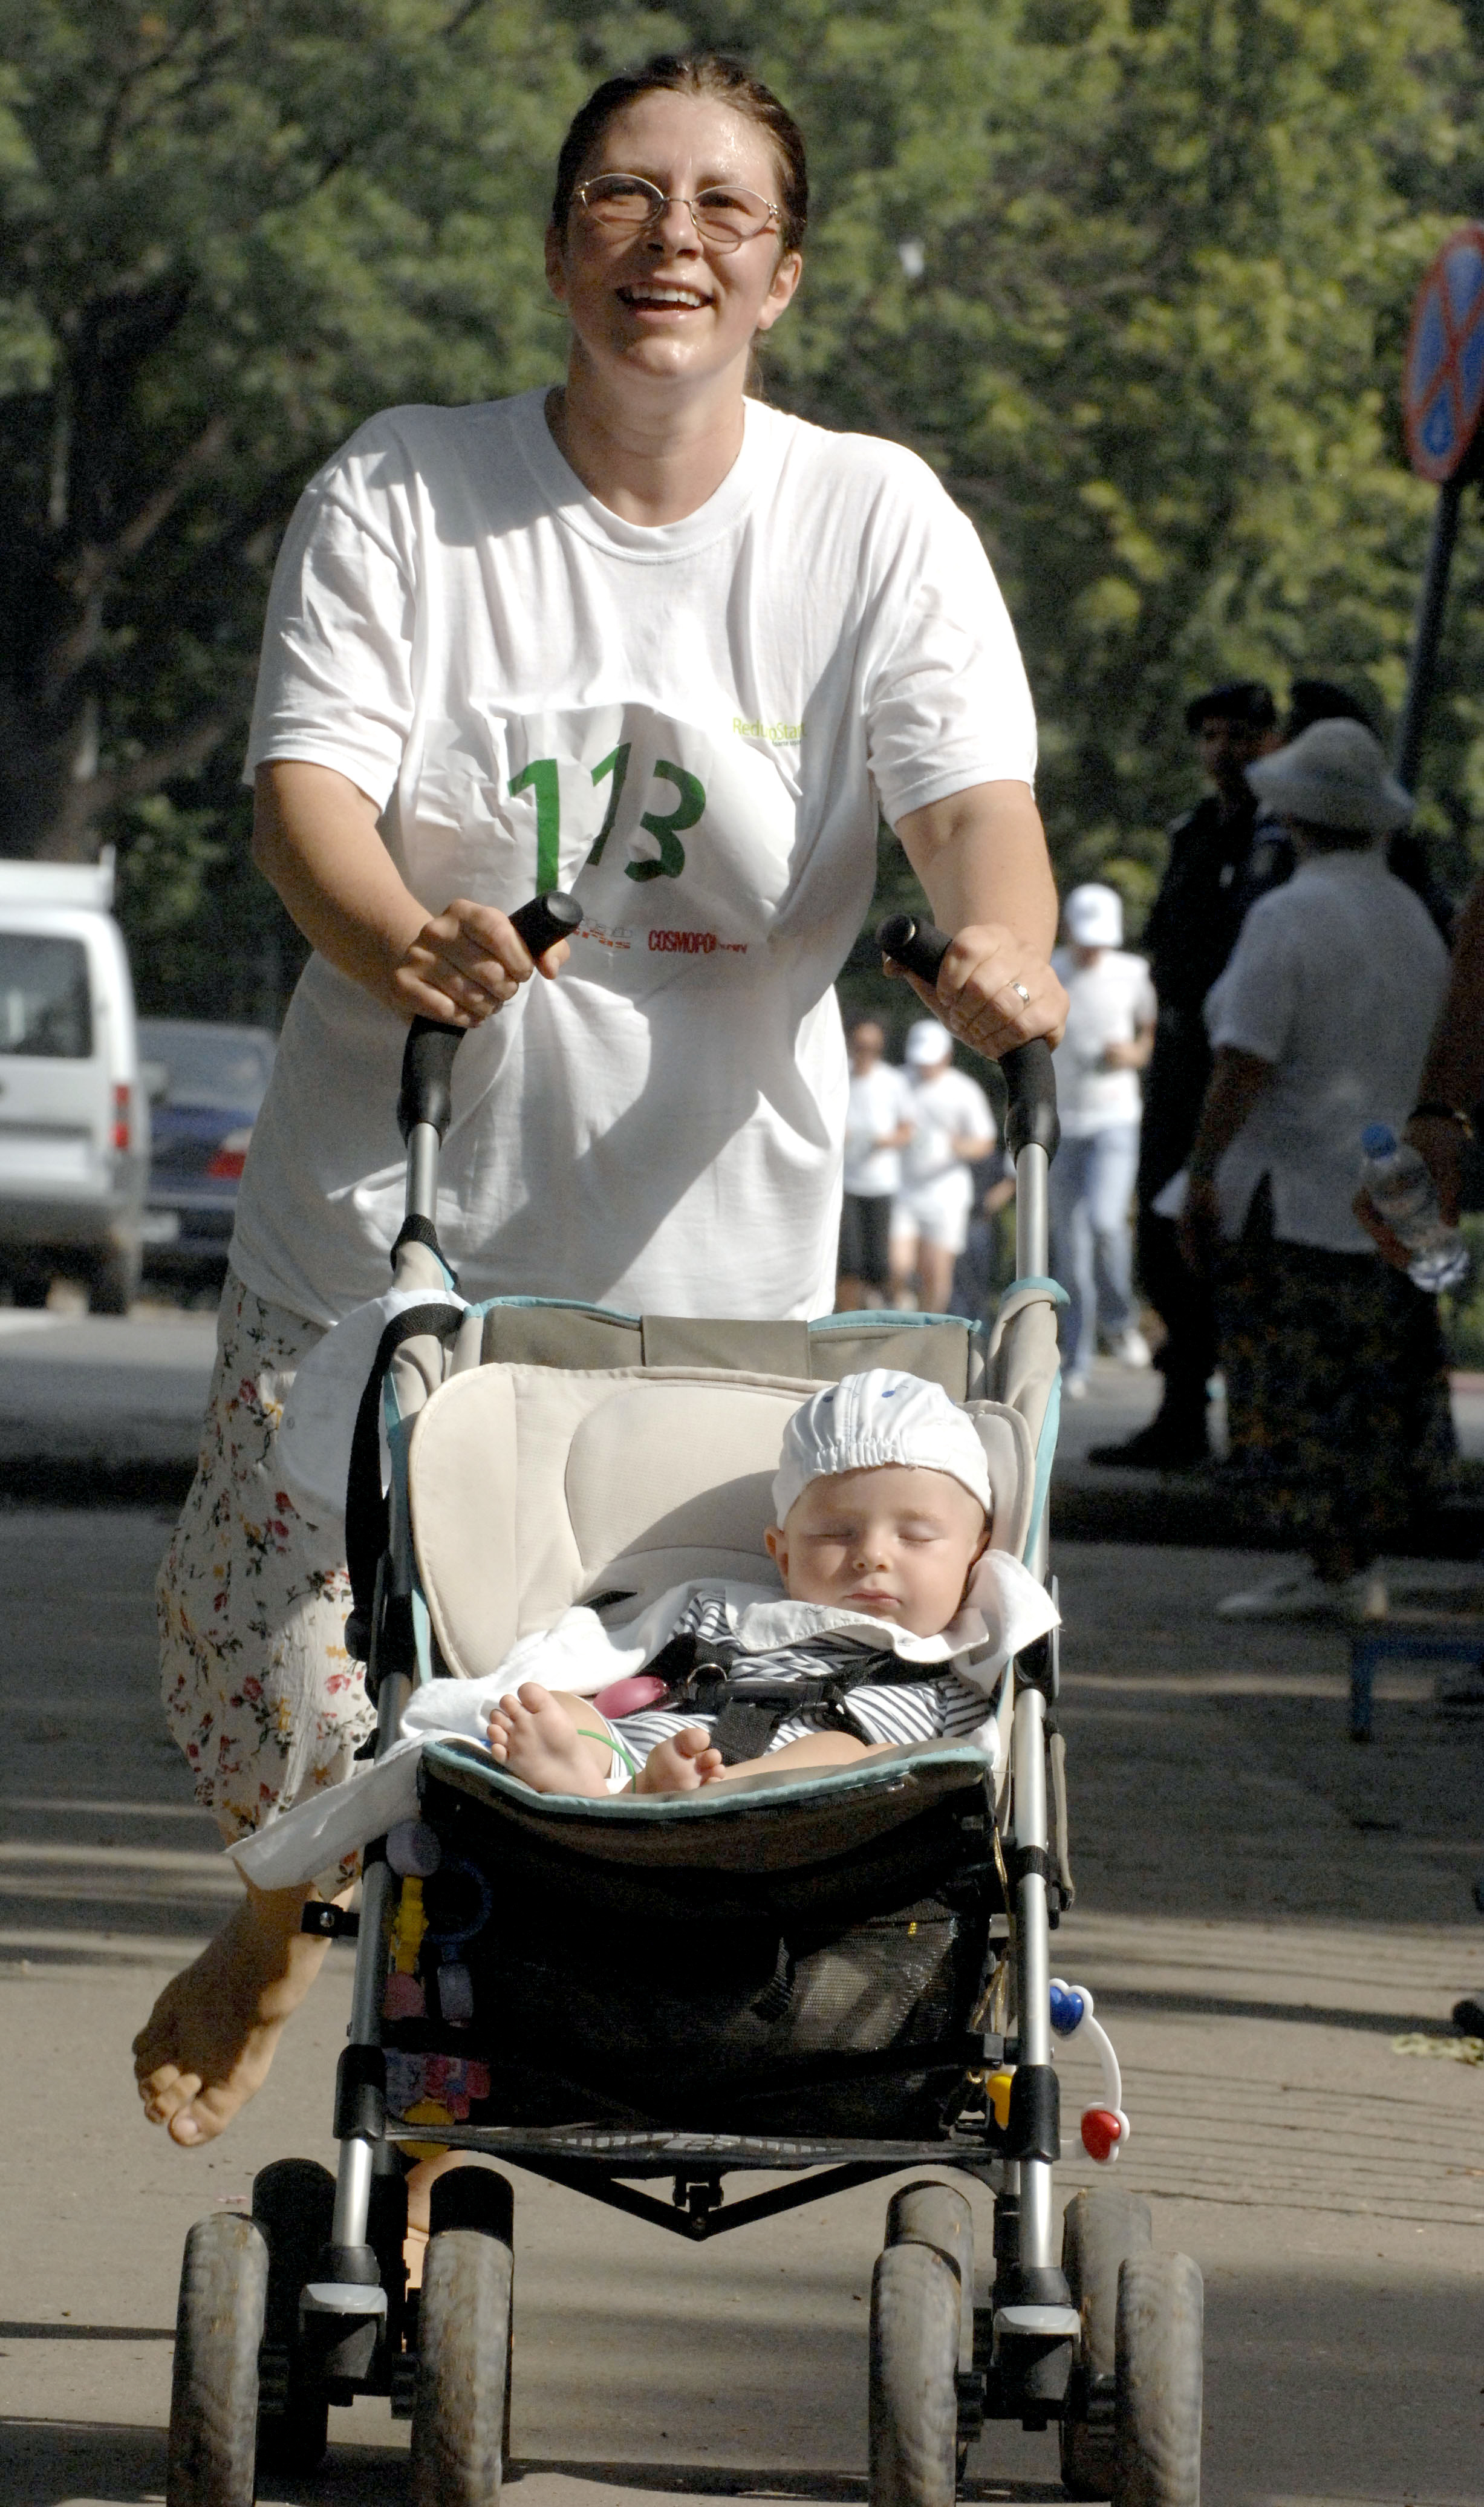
[532, 1487]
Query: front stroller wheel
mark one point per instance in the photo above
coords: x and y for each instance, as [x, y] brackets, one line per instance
[1157, 2412]
[292, 2202]
[1098, 2228]
[915, 2315]
[463, 2371]
[213, 2450]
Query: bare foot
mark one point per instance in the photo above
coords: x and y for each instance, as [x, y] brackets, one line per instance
[535, 1737]
[206, 2047]
[682, 1765]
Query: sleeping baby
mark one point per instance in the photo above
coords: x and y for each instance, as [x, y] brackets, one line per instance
[881, 1505]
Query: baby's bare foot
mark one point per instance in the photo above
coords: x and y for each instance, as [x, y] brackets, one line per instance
[536, 1739]
[206, 2047]
[682, 1765]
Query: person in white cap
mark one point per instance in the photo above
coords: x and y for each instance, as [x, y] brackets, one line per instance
[1338, 1416]
[897, 1623]
[953, 1129]
[877, 1125]
[1109, 1039]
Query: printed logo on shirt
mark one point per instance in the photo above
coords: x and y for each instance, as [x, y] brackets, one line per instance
[656, 825]
[783, 734]
[694, 944]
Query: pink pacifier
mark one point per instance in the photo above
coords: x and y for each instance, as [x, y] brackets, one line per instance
[632, 1696]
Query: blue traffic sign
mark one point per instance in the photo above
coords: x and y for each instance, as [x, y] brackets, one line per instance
[1443, 387]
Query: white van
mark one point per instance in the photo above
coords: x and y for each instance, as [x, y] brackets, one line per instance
[74, 1120]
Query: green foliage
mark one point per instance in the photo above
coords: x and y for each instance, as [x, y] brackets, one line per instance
[228, 231]
[1134, 275]
[1462, 1315]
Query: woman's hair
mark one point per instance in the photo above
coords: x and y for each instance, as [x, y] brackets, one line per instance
[723, 79]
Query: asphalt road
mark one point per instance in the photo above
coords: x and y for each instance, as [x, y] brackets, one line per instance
[1263, 1910]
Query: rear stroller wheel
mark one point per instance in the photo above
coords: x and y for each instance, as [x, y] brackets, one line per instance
[1098, 2228]
[918, 2298]
[212, 2460]
[461, 2399]
[292, 2202]
[1161, 2309]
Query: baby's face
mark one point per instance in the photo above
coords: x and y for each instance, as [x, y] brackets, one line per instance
[894, 1543]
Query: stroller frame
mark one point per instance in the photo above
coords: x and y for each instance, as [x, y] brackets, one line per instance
[342, 2322]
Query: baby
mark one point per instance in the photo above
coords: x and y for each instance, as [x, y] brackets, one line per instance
[883, 1506]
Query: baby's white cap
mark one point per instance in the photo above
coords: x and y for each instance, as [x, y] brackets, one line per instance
[879, 1417]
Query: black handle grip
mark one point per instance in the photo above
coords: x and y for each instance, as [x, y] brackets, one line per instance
[546, 919]
[909, 940]
[426, 1093]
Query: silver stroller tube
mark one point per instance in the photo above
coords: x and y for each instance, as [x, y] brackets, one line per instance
[1032, 1134]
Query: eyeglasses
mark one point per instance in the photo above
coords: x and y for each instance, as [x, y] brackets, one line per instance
[723, 215]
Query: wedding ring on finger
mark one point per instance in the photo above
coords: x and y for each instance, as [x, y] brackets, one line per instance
[1020, 991]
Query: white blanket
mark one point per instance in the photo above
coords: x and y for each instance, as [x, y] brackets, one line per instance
[1007, 1611]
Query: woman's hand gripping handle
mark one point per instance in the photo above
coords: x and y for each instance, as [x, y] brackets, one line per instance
[428, 1063]
[918, 948]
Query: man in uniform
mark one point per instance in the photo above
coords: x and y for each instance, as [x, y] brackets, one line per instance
[1215, 873]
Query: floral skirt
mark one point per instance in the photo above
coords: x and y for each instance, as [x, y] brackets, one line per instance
[1337, 1406]
[259, 1690]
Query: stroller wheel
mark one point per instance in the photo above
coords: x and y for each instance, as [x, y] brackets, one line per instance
[212, 2460]
[937, 2215]
[461, 2403]
[1161, 2307]
[1098, 2228]
[292, 2202]
[915, 2310]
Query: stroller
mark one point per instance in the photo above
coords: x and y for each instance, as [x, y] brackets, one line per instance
[874, 1940]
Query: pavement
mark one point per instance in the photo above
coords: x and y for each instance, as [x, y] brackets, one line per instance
[1274, 1925]
[101, 1406]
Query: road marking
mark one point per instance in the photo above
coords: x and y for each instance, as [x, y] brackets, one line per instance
[12, 1322]
[117, 1858]
[103, 1809]
[140, 1949]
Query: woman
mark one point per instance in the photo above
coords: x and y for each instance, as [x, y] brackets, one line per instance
[1109, 1038]
[877, 1125]
[1337, 1401]
[646, 638]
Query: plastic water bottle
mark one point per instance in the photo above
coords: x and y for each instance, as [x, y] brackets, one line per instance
[1401, 1187]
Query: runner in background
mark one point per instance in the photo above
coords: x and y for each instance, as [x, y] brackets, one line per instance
[953, 1128]
[1109, 1039]
[878, 1125]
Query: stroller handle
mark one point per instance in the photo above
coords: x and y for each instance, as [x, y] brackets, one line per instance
[427, 1062]
[1030, 1118]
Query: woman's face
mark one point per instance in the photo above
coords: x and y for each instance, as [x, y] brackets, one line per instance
[661, 303]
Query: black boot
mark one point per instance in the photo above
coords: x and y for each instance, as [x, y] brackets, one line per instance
[1176, 1440]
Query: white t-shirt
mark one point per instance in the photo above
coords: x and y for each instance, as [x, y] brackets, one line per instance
[694, 727]
[1107, 1003]
[947, 1106]
[1336, 979]
[880, 1102]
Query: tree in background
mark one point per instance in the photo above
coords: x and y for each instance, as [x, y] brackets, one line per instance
[231, 228]
[1132, 274]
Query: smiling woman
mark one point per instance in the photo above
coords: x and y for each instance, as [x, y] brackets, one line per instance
[643, 637]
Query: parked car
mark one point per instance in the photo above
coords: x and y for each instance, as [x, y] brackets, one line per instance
[74, 1120]
[206, 1083]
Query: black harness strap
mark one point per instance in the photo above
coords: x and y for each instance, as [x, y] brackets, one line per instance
[367, 1516]
[417, 1230]
[748, 1706]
